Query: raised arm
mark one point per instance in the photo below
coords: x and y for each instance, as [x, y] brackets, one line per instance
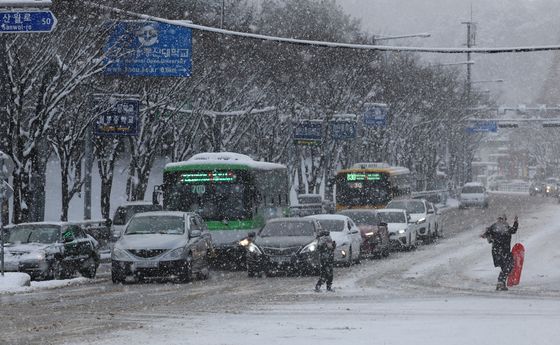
[513, 228]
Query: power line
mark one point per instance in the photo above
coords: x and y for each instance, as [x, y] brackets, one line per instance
[325, 43]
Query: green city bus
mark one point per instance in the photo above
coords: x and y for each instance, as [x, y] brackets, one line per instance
[233, 193]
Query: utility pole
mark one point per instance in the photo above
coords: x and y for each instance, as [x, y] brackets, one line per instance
[222, 16]
[471, 41]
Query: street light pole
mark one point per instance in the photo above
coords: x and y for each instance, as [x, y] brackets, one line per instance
[471, 38]
[222, 16]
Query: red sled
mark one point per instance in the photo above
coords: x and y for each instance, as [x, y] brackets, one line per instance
[518, 252]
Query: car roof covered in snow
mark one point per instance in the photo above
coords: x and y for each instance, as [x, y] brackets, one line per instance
[44, 223]
[473, 184]
[362, 210]
[287, 220]
[136, 203]
[390, 210]
[163, 214]
[328, 216]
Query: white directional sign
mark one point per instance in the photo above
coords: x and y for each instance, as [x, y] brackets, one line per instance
[27, 21]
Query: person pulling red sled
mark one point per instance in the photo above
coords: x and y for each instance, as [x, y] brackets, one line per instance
[499, 235]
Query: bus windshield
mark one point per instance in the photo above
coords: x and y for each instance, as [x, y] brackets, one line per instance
[213, 195]
[357, 190]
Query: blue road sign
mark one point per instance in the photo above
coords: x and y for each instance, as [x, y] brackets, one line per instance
[343, 130]
[27, 21]
[483, 127]
[308, 132]
[149, 49]
[375, 114]
[122, 118]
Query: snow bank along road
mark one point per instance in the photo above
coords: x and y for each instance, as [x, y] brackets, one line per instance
[440, 293]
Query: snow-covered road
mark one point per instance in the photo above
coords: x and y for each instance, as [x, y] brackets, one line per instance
[441, 293]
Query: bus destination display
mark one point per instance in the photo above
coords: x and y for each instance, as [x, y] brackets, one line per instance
[208, 177]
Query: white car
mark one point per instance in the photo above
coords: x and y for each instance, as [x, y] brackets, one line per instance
[402, 231]
[345, 233]
[124, 212]
[473, 194]
[423, 213]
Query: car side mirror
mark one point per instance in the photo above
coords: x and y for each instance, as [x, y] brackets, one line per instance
[251, 235]
[108, 222]
[430, 211]
[195, 233]
[381, 224]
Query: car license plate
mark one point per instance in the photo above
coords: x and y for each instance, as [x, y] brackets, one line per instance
[281, 259]
[146, 264]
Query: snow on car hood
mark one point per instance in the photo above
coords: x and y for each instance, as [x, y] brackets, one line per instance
[29, 251]
[414, 217]
[151, 241]
[395, 227]
[339, 237]
[284, 242]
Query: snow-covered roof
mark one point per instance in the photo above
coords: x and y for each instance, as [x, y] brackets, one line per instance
[290, 220]
[328, 216]
[163, 214]
[224, 158]
[361, 210]
[391, 210]
[473, 184]
[136, 203]
[44, 223]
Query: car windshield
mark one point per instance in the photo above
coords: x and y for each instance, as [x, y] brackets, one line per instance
[409, 206]
[124, 213]
[392, 217]
[290, 228]
[34, 234]
[332, 224]
[170, 225]
[473, 190]
[360, 218]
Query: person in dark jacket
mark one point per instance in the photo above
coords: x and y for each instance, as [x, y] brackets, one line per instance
[325, 248]
[499, 235]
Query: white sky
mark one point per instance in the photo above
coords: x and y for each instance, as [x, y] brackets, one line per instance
[500, 23]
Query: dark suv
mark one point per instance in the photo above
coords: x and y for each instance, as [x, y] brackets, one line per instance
[51, 251]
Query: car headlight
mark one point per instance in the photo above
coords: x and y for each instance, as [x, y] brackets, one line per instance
[252, 248]
[311, 247]
[401, 231]
[421, 220]
[244, 242]
[120, 255]
[368, 234]
[174, 254]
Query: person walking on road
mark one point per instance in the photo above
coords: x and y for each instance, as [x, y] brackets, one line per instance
[325, 248]
[499, 235]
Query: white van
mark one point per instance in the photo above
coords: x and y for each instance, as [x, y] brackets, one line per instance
[473, 194]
